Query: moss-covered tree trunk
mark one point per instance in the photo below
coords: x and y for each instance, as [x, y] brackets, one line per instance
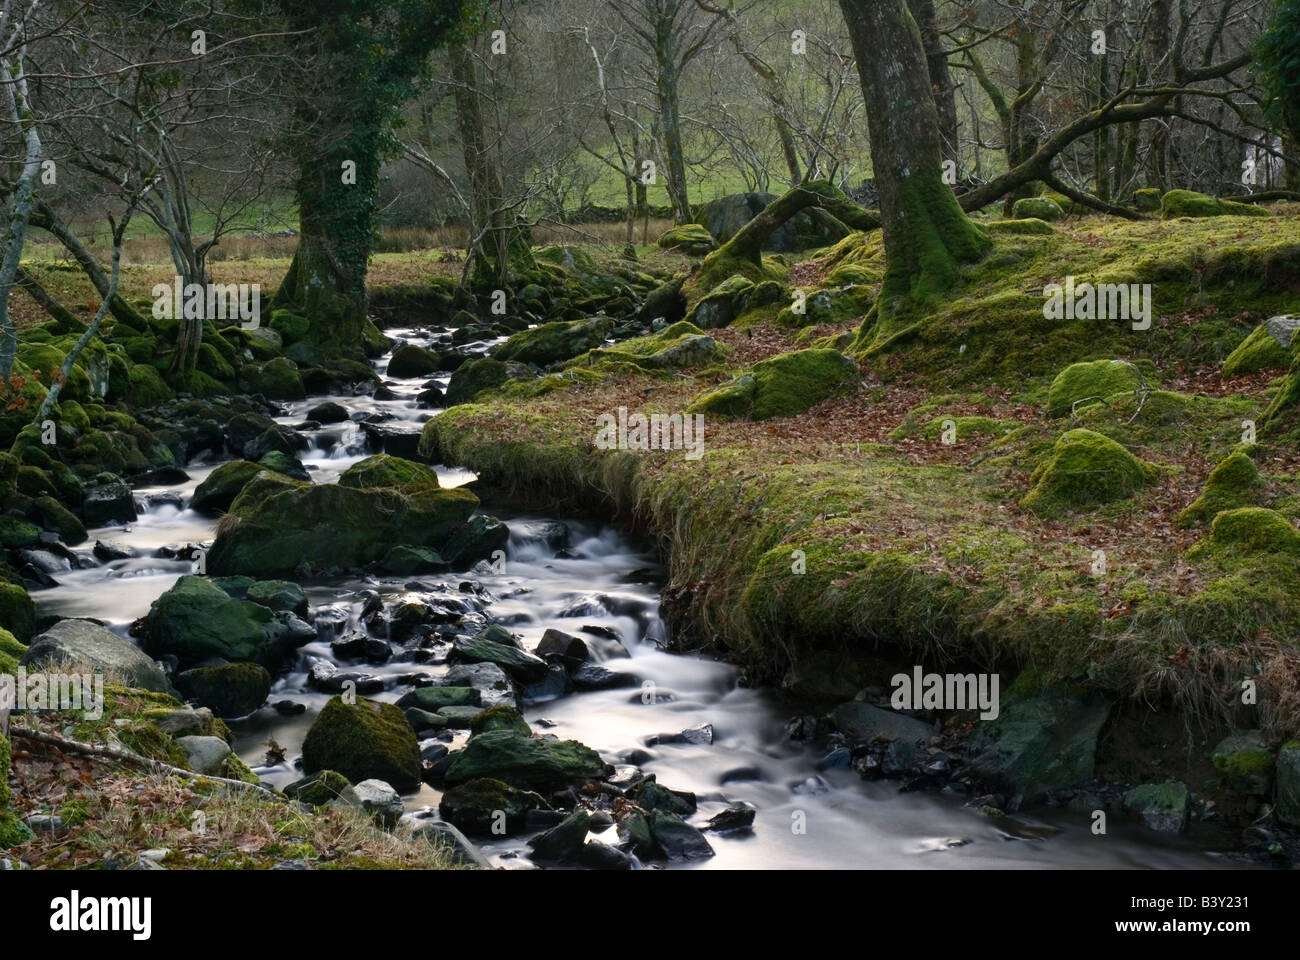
[927, 236]
[337, 190]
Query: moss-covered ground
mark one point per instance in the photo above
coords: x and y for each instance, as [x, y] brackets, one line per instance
[856, 529]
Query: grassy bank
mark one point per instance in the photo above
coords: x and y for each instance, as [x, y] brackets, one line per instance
[816, 547]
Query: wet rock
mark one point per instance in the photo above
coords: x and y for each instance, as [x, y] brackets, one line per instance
[564, 840]
[1245, 761]
[552, 686]
[570, 650]
[107, 500]
[1164, 807]
[359, 646]
[423, 722]
[279, 595]
[328, 412]
[434, 698]
[394, 440]
[286, 464]
[700, 734]
[432, 751]
[676, 839]
[288, 708]
[1038, 744]
[363, 741]
[197, 621]
[82, 643]
[735, 818]
[593, 676]
[376, 798]
[405, 560]
[184, 722]
[861, 721]
[487, 807]
[595, 855]
[481, 648]
[323, 675]
[524, 761]
[839, 757]
[499, 718]
[478, 539]
[459, 718]
[650, 795]
[409, 361]
[108, 551]
[229, 690]
[494, 687]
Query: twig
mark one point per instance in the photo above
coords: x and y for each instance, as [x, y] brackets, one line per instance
[108, 752]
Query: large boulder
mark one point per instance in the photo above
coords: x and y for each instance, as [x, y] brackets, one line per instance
[275, 529]
[1081, 384]
[1038, 744]
[228, 689]
[218, 490]
[363, 741]
[493, 645]
[108, 500]
[408, 361]
[724, 217]
[1268, 346]
[472, 378]
[477, 539]
[81, 642]
[196, 620]
[550, 343]
[526, 762]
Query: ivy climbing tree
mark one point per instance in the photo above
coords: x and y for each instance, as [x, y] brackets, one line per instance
[363, 60]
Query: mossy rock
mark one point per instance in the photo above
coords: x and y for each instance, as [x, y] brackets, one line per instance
[366, 740]
[17, 612]
[1259, 351]
[690, 238]
[410, 360]
[723, 303]
[522, 761]
[198, 384]
[1036, 208]
[1245, 761]
[1085, 469]
[384, 471]
[289, 530]
[211, 362]
[1147, 199]
[552, 342]
[72, 414]
[277, 379]
[11, 652]
[1091, 382]
[58, 518]
[281, 462]
[279, 595]
[196, 621]
[1189, 203]
[16, 534]
[500, 717]
[289, 325]
[229, 689]
[488, 807]
[1249, 530]
[1231, 484]
[472, 378]
[220, 488]
[782, 386]
[318, 790]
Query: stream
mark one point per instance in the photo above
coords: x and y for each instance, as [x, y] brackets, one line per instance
[584, 574]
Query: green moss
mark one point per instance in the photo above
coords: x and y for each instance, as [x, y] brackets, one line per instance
[1085, 469]
[473, 377]
[1083, 383]
[500, 717]
[1147, 199]
[963, 427]
[1020, 228]
[289, 325]
[1189, 203]
[1248, 530]
[781, 386]
[382, 470]
[1231, 484]
[1036, 208]
[689, 238]
[362, 741]
[553, 342]
[1259, 351]
[11, 651]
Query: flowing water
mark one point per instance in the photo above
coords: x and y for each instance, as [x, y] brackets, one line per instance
[805, 819]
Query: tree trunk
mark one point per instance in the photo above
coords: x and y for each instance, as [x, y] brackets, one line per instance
[941, 85]
[927, 236]
[670, 121]
[817, 194]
